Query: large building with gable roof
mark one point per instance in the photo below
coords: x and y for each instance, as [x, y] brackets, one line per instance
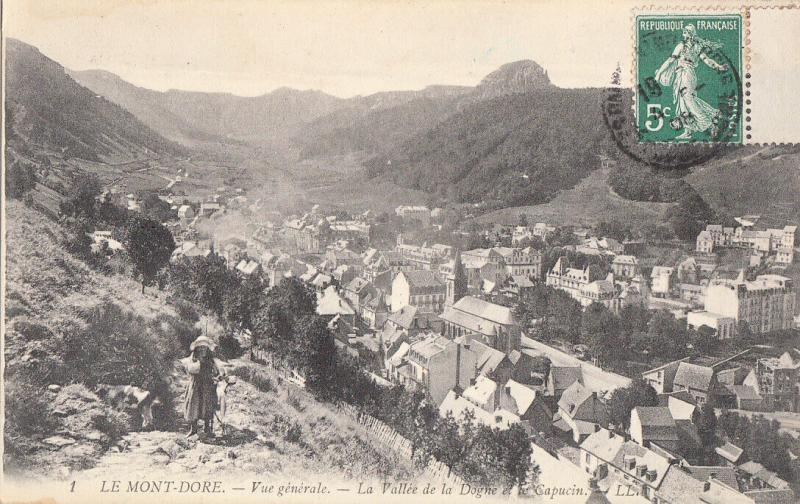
[494, 324]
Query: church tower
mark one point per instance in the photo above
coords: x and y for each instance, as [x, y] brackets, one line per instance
[457, 281]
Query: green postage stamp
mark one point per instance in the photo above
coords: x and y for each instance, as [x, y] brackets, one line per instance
[688, 80]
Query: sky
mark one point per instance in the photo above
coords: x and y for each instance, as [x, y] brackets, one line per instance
[342, 47]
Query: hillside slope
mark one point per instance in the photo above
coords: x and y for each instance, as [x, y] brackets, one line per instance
[588, 203]
[48, 111]
[56, 427]
[369, 130]
[766, 183]
[507, 150]
[143, 103]
[380, 122]
[186, 115]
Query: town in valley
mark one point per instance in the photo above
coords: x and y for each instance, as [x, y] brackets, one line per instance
[461, 291]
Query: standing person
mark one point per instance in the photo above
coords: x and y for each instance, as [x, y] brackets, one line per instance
[204, 370]
[692, 113]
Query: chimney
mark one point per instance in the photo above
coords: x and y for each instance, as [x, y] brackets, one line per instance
[706, 486]
[597, 427]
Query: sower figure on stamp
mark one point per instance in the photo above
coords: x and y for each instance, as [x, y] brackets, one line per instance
[204, 370]
[692, 113]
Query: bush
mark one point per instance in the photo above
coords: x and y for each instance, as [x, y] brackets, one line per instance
[76, 240]
[255, 377]
[120, 348]
[27, 410]
[114, 424]
[27, 414]
[229, 346]
[32, 330]
[184, 334]
[20, 180]
[186, 310]
[293, 401]
[290, 430]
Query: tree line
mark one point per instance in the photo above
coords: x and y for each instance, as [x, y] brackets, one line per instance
[550, 314]
[282, 320]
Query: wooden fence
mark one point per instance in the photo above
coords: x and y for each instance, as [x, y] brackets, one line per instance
[378, 429]
[387, 436]
[281, 368]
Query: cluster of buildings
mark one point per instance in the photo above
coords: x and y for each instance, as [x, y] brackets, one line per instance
[644, 469]
[539, 230]
[313, 232]
[777, 243]
[623, 285]
[759, 384]
[696, 289]
[440, 320]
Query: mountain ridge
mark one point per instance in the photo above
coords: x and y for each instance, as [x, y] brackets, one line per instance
[48, 109]
[192, 116]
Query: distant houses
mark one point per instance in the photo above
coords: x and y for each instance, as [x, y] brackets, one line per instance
[422, 214]
[587, 285]
[776, 242]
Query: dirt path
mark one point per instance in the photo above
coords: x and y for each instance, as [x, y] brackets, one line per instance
[281, 432]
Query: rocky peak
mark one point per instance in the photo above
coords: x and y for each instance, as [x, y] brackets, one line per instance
[517, 77]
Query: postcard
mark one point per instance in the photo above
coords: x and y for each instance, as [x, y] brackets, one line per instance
[438, 251]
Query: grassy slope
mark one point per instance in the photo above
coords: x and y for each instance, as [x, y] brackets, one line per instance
[356, 194]
[47, 285]
[589, 202]
[44, 280]
[766, 183]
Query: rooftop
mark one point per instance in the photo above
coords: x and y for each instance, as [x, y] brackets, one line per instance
[522, 395]
[483, 390]
[694, 376]
[654, 416]
[564, 376]
[422, 279]
[404, 317]
[331, 303]
[573, 397]
[486, 310]
[430, 346]
[725, 474]
[626, 259]
[729, 452]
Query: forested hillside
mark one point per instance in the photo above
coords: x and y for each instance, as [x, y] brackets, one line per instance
[362, 129]
[48, 111]
[507, 151]
[377, 123]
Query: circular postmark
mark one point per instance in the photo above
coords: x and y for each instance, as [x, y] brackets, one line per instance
[619, 119]
[649, 124]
